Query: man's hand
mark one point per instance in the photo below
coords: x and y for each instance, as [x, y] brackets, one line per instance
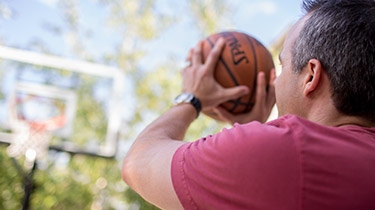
[199, 80]
[264, 102]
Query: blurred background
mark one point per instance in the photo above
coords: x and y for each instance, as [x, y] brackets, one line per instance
[147, 41]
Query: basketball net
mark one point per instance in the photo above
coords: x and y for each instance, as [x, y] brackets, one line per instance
[31, 138]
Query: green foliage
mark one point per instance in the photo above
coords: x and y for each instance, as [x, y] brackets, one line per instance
[211, 15]
[50, 191]
[76, 34]
[1, 78]
[85, 182]
[138, 201]
[139, 18]
[82, 184]
[11, 192]
[91, 121]
[138, 21]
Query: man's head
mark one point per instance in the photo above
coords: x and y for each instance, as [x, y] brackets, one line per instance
[340, 35]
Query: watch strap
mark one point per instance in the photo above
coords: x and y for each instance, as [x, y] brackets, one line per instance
[189, 98]
[197, 105]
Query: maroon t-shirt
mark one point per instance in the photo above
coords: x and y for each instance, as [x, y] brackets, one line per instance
[287, 164]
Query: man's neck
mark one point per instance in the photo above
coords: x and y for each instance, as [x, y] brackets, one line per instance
[330, 116]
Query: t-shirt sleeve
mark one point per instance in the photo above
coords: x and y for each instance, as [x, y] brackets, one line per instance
[248, 166]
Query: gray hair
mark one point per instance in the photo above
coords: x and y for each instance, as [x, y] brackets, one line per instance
[341, 35]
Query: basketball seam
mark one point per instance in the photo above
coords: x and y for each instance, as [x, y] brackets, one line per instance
[225, 65]
[230, 74]
[240, 103]
[255, 72]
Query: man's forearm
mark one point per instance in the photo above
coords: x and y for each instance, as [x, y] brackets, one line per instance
[147, 166]
[172, 125]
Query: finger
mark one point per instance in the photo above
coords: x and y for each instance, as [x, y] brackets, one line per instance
[183, 70]
[224, 115]
[214, 55]
[273, 77]
[190, 54]
[261, 93]
[197, 54]
[271, 98]
[213, 115]
[233, 93]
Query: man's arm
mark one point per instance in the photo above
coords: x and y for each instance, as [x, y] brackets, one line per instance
[147, 166]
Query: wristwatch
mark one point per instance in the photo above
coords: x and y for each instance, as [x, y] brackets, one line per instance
[188, 98]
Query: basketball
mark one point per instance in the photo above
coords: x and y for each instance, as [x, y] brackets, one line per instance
[242, 58]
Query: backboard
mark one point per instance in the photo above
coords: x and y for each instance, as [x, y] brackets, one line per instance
[86, 97]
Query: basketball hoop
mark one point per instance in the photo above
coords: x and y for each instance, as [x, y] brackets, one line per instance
[31, 137]
[33, 134]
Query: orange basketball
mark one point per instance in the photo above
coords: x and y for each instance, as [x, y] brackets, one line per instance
[242, 58]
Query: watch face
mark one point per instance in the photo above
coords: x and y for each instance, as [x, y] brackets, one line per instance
[184, 97]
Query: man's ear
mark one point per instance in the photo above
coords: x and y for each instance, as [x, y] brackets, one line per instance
[313, 73]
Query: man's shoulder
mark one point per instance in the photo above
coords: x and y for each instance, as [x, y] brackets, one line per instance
[251, 138]
[283, 127]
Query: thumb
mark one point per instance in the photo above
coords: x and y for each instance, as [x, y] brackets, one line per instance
[234, 92]
[224, 115]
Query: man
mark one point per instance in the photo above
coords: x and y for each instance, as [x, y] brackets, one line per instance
[320, 153]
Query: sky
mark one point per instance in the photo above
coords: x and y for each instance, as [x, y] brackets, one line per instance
[33, 20]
